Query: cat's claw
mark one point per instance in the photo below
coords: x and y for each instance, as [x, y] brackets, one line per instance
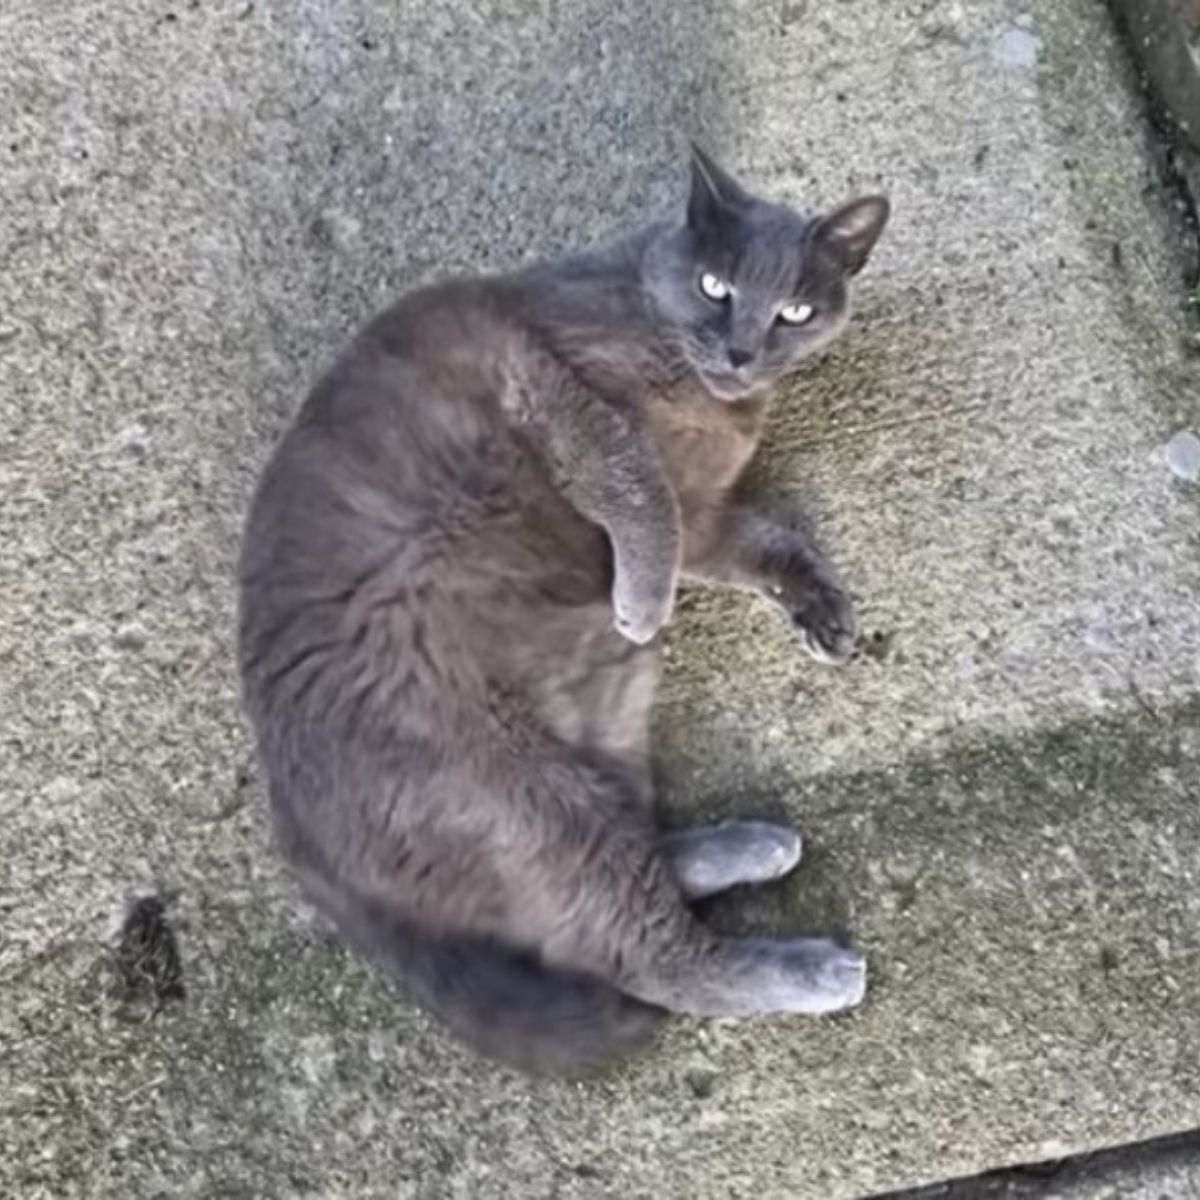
[825, 621]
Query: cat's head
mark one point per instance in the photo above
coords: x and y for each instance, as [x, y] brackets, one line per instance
[746, 288]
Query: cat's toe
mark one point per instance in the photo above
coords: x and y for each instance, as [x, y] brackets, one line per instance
[832, 648]
[847, 980]
[769, 851]
[837, 975]
[639, 616]
[638, 628]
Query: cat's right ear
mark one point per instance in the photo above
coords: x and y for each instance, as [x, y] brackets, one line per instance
[714, 196]
[851, 231]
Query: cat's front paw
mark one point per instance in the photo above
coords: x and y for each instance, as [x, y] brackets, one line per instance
[642, 607]
[821, 613]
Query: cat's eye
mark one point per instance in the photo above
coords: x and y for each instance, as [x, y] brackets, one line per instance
[714, 287]
[797, 314]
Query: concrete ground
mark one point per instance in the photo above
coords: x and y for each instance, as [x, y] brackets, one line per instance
[200, 200]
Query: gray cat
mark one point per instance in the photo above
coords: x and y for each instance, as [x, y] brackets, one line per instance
[451, 569]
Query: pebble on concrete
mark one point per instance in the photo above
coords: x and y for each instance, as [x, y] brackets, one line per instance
[1182, 455]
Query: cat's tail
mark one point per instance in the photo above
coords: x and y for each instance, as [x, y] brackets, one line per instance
[507, 1005]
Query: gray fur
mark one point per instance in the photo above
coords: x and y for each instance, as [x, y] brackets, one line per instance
[451, 568]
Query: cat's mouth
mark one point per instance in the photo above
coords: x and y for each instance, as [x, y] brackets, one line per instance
[728, 386]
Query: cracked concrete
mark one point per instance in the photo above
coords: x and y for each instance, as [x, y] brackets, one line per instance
[198, 204]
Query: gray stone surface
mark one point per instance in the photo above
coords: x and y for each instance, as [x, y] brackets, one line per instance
[198, 203]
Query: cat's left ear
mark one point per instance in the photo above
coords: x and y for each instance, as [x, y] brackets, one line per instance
[715, 194]
[851, 231]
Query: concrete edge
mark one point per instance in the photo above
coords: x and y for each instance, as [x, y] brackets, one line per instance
[1163, 38]
[1066, 1177]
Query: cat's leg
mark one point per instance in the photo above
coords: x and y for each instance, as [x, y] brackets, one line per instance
[713, 858]
[644, 941]
[620, 913]
[607, 465]
[748, 976]
[585, 884]
[739, 545]
[709, 976]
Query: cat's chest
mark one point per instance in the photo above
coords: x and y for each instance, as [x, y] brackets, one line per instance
[705, 443]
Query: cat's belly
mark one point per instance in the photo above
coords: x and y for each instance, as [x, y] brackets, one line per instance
[547, 630]
[554, 644]
[598, 692]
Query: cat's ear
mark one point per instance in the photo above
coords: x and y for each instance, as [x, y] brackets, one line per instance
[852, 230]
[715, 194]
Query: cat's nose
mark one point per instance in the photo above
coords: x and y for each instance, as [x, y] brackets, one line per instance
[739, 357]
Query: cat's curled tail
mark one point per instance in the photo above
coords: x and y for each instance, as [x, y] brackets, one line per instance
[505, 1004]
